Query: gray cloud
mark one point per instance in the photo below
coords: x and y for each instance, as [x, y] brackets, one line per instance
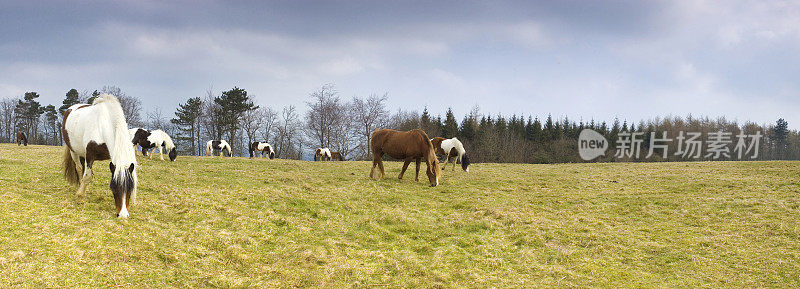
[636, 59]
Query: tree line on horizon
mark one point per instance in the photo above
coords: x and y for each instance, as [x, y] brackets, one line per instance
[346, 126]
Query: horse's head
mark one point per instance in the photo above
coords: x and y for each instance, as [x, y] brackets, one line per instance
[433, 171]
[173, 154]
[465, 163]
[123, 184]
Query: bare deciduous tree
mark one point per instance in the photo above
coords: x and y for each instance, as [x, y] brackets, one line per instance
[322, 115]
[288, 134]
[131, 106]
[7, 119]
[156, 120]
[210, 119]
[268, 118]
[368, 115]
[250, 123]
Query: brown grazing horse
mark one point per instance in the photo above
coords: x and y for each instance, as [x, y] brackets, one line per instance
[22, 138]
[407, 146]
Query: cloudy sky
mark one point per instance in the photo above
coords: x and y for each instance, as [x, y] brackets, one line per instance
[580, 59]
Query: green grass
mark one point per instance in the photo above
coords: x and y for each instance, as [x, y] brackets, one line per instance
[234, 222]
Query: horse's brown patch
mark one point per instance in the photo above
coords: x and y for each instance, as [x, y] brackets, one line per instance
[96, 152]
[437, 144]
[64, 133]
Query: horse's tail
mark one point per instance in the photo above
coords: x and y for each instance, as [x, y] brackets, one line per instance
[252, 148]
[70, 171]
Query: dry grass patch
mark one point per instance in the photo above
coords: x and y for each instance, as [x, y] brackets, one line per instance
[235, 222]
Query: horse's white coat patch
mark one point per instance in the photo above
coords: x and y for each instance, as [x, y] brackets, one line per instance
[124, 212]
[325, 152]
[262, 145]
[449, 144]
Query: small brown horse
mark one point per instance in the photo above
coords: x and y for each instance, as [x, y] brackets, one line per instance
[22, 138]
[407, 146]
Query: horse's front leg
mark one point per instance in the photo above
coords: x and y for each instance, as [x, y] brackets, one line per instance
[446, 159]
[85, 179]
[417, 162]
[405, 166]
[161, 152]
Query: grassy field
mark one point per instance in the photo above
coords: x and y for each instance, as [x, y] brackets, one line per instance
[235, 222]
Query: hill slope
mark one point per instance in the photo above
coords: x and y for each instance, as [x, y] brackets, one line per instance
[236, 222]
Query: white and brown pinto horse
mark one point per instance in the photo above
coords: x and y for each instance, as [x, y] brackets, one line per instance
[263, 148]
[407, 146]
[323, 154]
[99, 132]
[451, 148]
[217, 144]
[161, 141]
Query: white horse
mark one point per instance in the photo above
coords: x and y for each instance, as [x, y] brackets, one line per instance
[162, 141]
[322, 154]
[263, 149]
[451, 148]
[217, 144]
[100, 132]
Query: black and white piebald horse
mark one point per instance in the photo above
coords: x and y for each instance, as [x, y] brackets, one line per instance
[22, 138]
[139, 138]
[217, 144]
[263, 148]
[99, 132]
[161, 141]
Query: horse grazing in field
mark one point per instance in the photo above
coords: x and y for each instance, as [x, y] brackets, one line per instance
[263, 148]
[99, 132]
[217, 144]
[451, 148]
[139, 138]
[337, 156]
[323, 154]
[22, 138]
[407, 146]
[161, 141]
